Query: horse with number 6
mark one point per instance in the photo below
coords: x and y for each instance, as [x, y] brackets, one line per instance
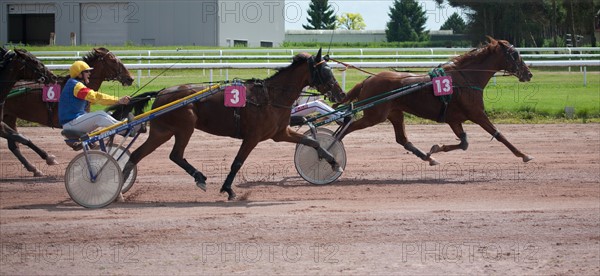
[469, 73]
[265, 116]
[14, 66]
[31, 105]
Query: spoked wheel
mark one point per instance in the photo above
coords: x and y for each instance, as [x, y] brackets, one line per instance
[120, 154]
[317, 170]
[96, 185]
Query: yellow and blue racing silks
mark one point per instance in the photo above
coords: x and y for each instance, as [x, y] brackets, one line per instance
[74, 98]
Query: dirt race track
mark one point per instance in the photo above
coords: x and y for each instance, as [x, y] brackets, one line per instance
[482, 211]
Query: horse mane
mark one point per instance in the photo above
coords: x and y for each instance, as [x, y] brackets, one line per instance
[299, 58]
[475, 54]
[95, 54]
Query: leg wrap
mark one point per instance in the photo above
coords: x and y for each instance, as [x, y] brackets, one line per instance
[464, 144]
[315, 144]
[309, 142]
[410, 147]
[235, 167]
[496, 135]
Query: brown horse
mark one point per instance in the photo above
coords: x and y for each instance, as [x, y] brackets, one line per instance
[18, 65]
[30, 106]
[470, 74]
[266, 116]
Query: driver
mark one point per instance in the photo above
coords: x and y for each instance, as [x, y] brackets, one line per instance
[75, 96]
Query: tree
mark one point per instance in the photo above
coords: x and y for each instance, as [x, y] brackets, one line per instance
[528, 23]
[455, 23]
[351, 21]
[320, 16]
[407, 22]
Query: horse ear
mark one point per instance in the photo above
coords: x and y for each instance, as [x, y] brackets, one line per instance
[490, 39]
[319, 55]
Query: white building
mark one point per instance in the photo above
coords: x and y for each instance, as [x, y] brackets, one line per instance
[220, 23]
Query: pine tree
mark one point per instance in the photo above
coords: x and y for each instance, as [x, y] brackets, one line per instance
[455, 23]
[320, 16]
[407, 21]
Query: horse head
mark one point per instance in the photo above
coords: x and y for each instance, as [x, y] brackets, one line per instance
[321, 78]
[111, 67]
[29, 67]
[512, 61]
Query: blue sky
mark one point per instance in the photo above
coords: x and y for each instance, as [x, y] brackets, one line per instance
[374, 12]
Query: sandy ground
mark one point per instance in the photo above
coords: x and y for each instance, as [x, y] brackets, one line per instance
[482, 211]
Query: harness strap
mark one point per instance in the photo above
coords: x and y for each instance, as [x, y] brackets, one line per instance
[237, 124]
[50, 111]
[439, 72]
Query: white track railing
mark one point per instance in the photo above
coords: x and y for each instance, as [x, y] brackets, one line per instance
[289, 57]
[407, 64]
[295, 51]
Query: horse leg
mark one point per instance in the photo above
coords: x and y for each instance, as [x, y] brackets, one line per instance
[11, 122]
[182, 139]
[294, 137]
[460, 133]
[483, 121]
[155, 139]
[397, 119]
[245, 149]
[13, 138]
[366, 121]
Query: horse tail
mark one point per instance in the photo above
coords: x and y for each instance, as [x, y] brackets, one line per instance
[137, 104]
[351, 95]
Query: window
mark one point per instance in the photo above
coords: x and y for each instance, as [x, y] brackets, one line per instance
[268, 44]
[240, 43]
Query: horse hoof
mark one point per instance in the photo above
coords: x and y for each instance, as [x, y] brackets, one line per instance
[230, 193]
[527, 158]
[337, 168]
[435, 149]
[201, 185]
[120, 198]
[51, 160]
[433, 162]
[38, 173]
[200, 180]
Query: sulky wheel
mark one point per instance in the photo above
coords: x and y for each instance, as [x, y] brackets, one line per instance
[120, 154]
[96, 185]
[317, 170]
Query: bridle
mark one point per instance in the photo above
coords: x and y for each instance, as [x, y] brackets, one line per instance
[512, 56]
[117, 72]
[320, 74]
[9, 57]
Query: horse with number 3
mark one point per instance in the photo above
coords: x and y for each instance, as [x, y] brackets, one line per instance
[265, 116]
[467, 76]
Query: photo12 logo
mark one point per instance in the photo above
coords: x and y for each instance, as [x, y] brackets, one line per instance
[254, 252]
[52, 253]
[468, 252]
[125, 12]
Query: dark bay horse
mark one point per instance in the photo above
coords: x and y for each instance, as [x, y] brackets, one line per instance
[266, 116]
[30, 106]
[14, 66]
[20, 65]
[470, 74]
